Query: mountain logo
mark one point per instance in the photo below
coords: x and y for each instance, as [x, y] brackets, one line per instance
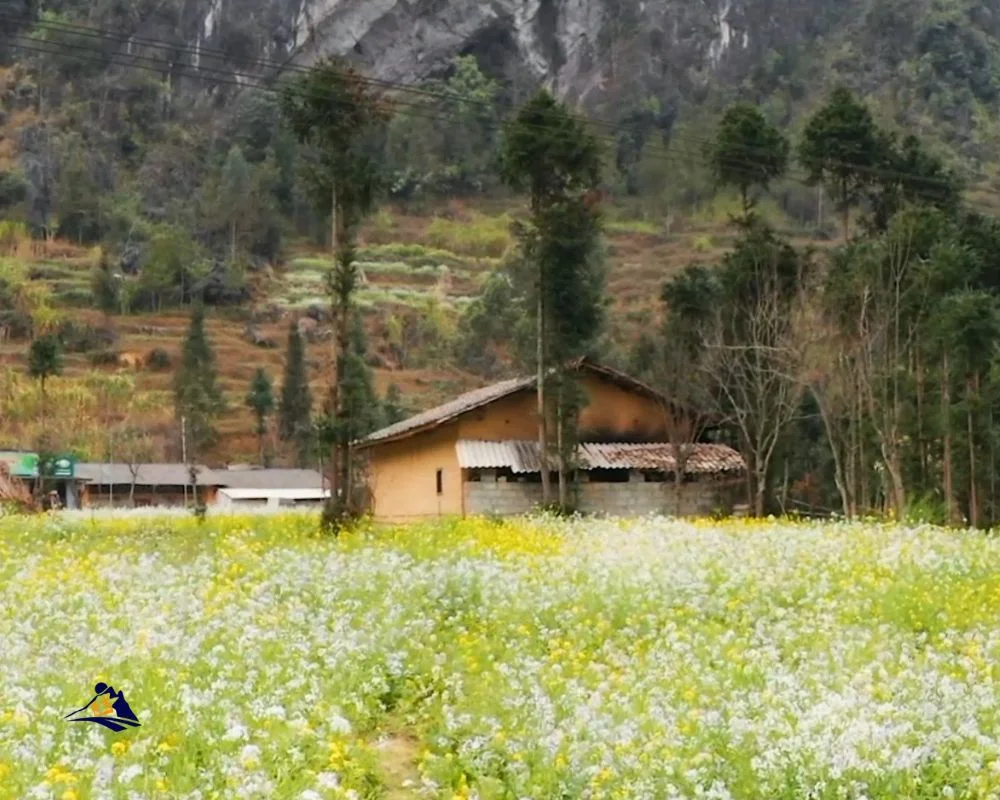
[108, 708]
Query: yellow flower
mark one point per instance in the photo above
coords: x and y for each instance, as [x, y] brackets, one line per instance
[161, 785]
[119, 748]
[69, 794]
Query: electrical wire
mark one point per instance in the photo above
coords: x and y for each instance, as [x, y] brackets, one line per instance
[198, 52]
[245, 80]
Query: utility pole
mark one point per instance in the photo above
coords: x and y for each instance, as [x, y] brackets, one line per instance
[184, 457]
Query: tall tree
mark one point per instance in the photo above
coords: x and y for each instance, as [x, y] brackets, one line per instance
[747, 151]
[260, 400]
[679, 370]
[843, 148]
[333, 110]
[198, 400]
[295, 407]
[753, 357]
[548, 153]
[236, 190]
[44, 361]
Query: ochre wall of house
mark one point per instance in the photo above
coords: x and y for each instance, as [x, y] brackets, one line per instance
[611, 411]
[403, 473]
[403, 476]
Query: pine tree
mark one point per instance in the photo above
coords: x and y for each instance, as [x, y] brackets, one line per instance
[335, 111]
[295, 407]
[747, 151]
[198, 401]
[260, 400]
[106, 286]
[44, 361]
[392, 406]
[549, 153]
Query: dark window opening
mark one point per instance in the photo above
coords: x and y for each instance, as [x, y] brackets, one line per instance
[440, 481]
[657, 476]
[609, 476]
[474, 476]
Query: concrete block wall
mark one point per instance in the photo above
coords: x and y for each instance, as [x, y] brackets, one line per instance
[504, 499]
[617, 499]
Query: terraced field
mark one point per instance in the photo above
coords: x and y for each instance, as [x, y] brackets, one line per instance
[413, 266]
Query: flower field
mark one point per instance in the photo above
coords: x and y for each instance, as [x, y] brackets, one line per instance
[475, 659]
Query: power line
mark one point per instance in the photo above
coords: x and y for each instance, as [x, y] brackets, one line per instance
[613, 127]
[245, 80]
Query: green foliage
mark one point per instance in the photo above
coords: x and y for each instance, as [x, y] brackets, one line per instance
[747, 151]
[427, 157]
[106, 286]
[486, 326]
[172, 269]
[295, 406]
[842, 147]
[45, 358]
[481, 235]
[260, 400]
[158, 359]
[198, 400]
[393, 410]
[332, 110]
[548, 153]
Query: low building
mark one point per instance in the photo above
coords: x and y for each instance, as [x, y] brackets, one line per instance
[270, 499]
[102, 485]
[99, 484]
[478, 454]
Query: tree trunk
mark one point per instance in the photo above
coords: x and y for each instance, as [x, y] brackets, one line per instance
[838, 466]
[973, 499]
[759, 491]
[563, 506]
[845, 212]
[232, 234]
[333, 221]
[543, 439]
[131, 492]
[949, 491]
[921, 442]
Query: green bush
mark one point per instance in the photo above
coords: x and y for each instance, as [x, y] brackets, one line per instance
[158, 359]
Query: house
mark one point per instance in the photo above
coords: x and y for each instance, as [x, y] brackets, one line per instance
[99, 484]
[478, 454]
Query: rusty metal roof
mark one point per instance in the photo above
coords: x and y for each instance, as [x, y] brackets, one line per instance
[522, 457]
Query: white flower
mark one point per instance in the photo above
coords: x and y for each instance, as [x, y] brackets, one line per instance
[328, 780]
[130, 772]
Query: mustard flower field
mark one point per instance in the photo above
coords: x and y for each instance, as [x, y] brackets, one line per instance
[476, 659]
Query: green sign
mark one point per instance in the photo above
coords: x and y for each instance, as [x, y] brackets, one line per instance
[60, 467]
[21, 465]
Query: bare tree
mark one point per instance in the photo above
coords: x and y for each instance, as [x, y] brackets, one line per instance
[136, 448]
[754, 363]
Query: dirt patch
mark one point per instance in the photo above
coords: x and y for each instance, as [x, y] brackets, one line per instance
[398, 755]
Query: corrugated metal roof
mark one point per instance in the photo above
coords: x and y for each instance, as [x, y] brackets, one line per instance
[146, 475]
[177, 475]
[522, 457]
[267, 478]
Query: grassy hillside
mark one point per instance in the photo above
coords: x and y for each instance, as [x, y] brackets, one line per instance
[427, 266]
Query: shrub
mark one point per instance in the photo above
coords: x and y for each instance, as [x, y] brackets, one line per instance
[104, 358]
[79, 337]
[703, 244]
[158, 359]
